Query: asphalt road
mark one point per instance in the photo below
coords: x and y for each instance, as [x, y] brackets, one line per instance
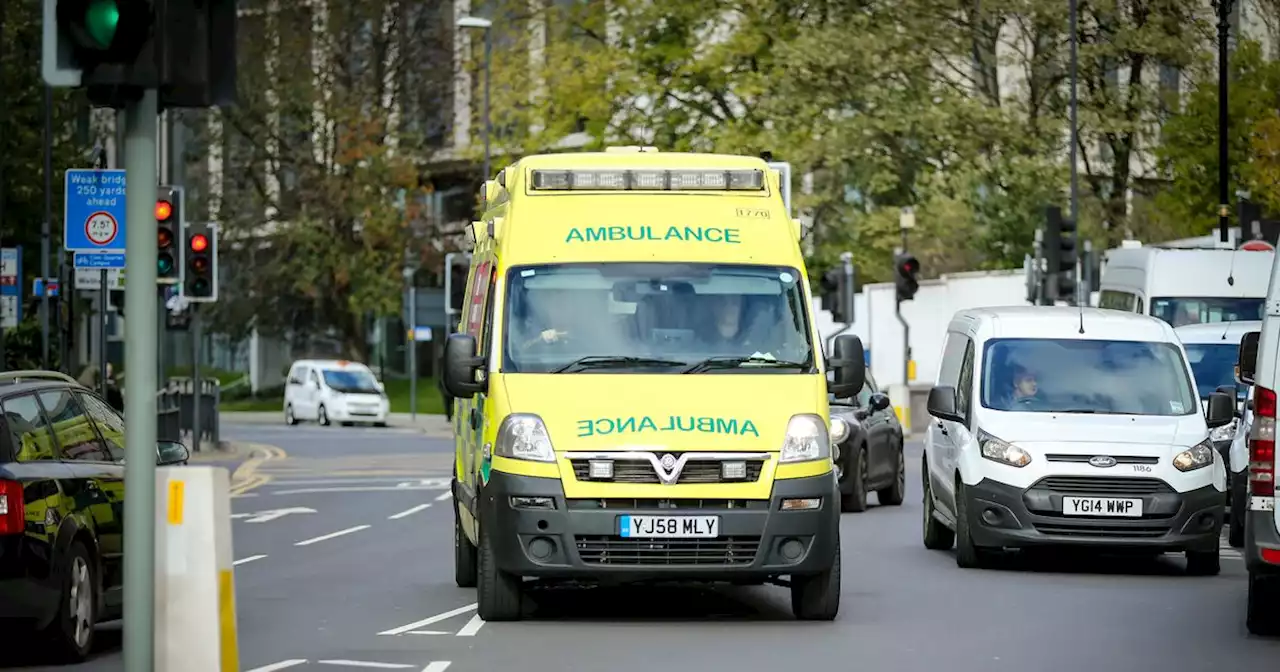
[345, 563]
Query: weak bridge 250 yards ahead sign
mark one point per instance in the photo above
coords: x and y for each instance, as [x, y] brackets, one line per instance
[94, 218]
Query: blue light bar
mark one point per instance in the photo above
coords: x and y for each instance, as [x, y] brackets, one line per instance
[641, 179]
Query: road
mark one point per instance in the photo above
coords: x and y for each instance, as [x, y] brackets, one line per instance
[345, 563]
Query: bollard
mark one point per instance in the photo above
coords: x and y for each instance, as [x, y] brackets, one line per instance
[195, 623]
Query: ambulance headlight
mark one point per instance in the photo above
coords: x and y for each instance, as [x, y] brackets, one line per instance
[839, 431]
[523, 436]
[806, 440]
[1195, 457]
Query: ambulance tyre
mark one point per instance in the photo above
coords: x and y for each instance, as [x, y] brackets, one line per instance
[464, 555]
[1262, 616]
[816, 597]
[498, 594]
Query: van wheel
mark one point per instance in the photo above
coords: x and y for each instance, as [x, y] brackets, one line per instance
[71, 632]
[937, 537]
[968, 554]
[1235, 531]
[856, 500]
[1262, 617]
[817, 597]
[896, 493]
[1204, 563]
[498, 594]
[322, 416]
[464, 555]
[289, 418]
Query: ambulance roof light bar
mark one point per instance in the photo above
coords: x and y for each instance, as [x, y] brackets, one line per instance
[642, 179]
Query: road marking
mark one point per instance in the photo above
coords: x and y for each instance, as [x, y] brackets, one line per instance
[428, 621]
[247, 477]
[472, 627]
[370, 488]
[247, 494]
[251, 558]
[273, 514]
[444, 496]
[279, 666]
[437, 666]
[349, 481]
[409, 512]
[332, 535]
[426, 632]
[364, 663]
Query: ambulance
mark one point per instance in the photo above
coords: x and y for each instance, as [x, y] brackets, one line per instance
[640, 393]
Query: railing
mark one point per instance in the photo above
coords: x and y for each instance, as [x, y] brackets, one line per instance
[177, 415]
[168, 415]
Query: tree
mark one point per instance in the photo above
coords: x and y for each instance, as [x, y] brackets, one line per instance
[320, 198]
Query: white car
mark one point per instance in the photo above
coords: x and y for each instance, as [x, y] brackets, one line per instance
[1212, 349]
[330, 390]
[1056, 426]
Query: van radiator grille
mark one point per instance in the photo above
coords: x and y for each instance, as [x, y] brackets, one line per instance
[1105, 486]
[604, 550]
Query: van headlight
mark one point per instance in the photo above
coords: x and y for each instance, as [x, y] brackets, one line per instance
[523, 436]
[1226, 432]
[1195, 457]
[1002, 451]
[839, 431]
[806, 440]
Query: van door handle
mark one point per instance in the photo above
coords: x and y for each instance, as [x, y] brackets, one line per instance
[942, 428]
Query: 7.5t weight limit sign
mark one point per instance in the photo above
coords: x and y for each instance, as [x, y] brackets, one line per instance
[94, 217]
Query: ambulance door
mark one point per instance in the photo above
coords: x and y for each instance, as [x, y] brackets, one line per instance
[469, 416]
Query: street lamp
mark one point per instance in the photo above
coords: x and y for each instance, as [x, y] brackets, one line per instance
[1223, 9]
[477, 23]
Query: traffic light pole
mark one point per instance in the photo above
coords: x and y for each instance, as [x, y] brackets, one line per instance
[140, 387]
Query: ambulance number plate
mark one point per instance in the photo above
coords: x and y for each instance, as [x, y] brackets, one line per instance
[669, 527]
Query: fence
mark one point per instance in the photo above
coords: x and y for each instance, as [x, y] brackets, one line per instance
[175, 411]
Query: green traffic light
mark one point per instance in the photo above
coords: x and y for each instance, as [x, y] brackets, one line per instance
[165, 265]
[101, 19]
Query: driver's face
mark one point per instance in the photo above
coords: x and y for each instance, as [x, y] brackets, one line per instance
[728, 310]
[1026, 385]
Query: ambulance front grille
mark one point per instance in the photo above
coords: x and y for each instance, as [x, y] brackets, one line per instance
[604, 550]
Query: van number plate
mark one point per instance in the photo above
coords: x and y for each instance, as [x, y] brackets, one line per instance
[1108, 507]
[669, 527]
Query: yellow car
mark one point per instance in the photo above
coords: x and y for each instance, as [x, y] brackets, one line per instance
[639, 385]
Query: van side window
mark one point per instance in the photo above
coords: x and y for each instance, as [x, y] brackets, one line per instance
[315, 378]
[1117, 300]
[952, 357]
[298, 375]
[964, 386]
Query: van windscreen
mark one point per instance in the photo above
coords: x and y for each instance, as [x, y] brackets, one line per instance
[1183, 310]
[655, 318]
[351, 381]
[1086, 376]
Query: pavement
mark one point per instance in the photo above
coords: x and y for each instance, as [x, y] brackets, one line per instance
[343, 540]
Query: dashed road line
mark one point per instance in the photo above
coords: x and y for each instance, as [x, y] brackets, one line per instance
[408, 512]
[332, 535]
[251, 558]
[437, 666]
[472, 627]
[407, 629]
[444, 496]
[284, 664]
[365, 663]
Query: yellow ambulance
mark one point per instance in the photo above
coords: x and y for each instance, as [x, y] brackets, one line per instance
[641, 393]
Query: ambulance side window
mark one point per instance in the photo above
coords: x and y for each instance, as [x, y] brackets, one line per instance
[490, 294]
[471, 312]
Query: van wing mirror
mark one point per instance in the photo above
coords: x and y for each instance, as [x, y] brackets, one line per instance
[461, 365]
[1247, 358]
[942, 404]
[1221, 411]
[848, 366]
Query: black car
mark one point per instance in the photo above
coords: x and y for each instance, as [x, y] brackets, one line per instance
[869, 458]
[61, 509]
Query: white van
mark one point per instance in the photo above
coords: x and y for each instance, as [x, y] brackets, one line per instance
[1259, 365]
[1212, 350]
[1186, 285]
[331, 390]
[1058, 426]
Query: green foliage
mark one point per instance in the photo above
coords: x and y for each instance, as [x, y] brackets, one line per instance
[22, 348]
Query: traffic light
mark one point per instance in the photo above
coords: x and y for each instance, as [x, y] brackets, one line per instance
[168, 224]
[200, 263]
[906, 268]
[831, 299]
[1067, 258]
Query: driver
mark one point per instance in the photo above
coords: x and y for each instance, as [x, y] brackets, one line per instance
[543, 320]
[1026, 390]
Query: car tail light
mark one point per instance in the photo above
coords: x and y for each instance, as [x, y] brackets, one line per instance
[12, 510]
[1262, 444]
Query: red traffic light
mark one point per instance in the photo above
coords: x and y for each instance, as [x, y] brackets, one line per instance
[164, 210]
[199, 243]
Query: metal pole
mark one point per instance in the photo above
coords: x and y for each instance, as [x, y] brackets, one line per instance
[488, 61]
[413, 350]
[846, 261]
[1075, 122]
[140, 389]
[1224, 26]
[45, 227]
[906, 330]
[103, 295]
[196, 393]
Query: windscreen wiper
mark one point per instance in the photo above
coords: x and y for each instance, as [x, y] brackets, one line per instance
[734, 362]
[612, 361]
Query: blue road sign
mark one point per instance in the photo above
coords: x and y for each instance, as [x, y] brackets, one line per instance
[93, 220]
[103, 260]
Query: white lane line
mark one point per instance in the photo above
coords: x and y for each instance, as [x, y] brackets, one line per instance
[472, 627]
[444, 496]
[428, 621]
[312, 491]
[409, 512]
[251, 558]
[365, 663]
[279, 666]
[331, 535]
[437, 666]
[426, 632]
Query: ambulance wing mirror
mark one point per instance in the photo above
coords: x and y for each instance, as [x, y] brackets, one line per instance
[460, 366]
[848, 365]
[1247, 359]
